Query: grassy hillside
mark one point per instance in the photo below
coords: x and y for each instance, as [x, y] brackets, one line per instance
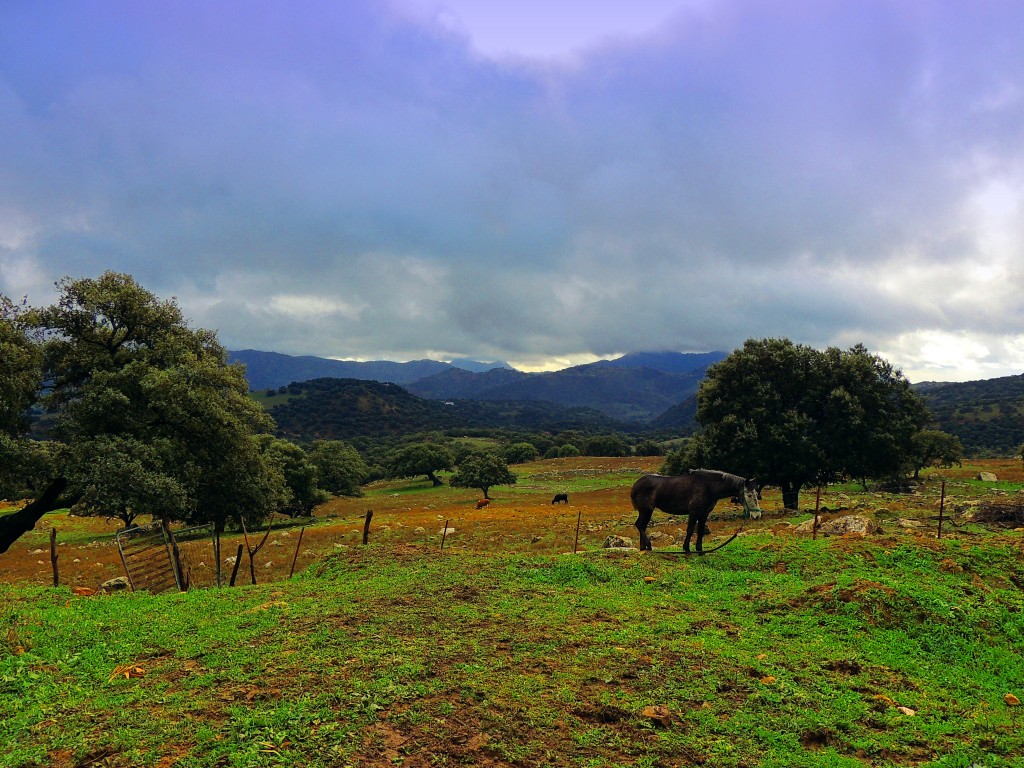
[501, 650]
[810, 653]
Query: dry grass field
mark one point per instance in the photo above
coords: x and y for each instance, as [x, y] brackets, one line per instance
[410, 515]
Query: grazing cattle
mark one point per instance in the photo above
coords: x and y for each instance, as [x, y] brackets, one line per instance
[560, 498]
[482, 503]
[693, 493]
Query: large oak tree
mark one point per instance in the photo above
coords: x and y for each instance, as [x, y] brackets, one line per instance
[126, 376]
[790, 415]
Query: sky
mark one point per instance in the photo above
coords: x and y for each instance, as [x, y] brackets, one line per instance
[542, 182]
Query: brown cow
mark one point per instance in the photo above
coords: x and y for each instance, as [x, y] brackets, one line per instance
[482, 503]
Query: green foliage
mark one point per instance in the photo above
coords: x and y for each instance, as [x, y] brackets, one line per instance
[987, 416]
[605, 445]
[932, 447]
[420, 459]
[648, 448]
[568, 451]
[790, 415]
[20, 370]
[27, 466]
[124, 477]
[128, 372]
[300, 475]
[520, 453]
[484, 471]
[340, 467]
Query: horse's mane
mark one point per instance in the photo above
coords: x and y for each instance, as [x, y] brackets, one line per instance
[717, 473]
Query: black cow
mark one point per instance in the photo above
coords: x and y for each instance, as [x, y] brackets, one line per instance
[560, 497]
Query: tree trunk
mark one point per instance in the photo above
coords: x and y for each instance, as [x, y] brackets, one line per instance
[791, 495]
[434, 479]
[14, 526]
[485, 490]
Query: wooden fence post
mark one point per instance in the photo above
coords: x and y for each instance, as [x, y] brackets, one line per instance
[53, 557]
[297, 545]
[817, 506]
[942, 506]
[179, 576]
[444, 533]
[366, 527]
[576, 542]
[238, 562]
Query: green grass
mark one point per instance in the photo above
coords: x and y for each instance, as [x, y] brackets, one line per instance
[770, 653]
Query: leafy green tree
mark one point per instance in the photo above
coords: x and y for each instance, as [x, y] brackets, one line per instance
[20, 370]
[420, 459]
[24, 466]
[483, 470]
[605, 445]
[648, 448]
[520, 453]
[568, 451]
[933, 447]
[124, 364]
[123, 477]
[682, 459]
[340, 467]
[300, 475]
[790, 415]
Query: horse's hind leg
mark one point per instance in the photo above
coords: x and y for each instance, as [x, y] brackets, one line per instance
[702, 527]
[642, 521]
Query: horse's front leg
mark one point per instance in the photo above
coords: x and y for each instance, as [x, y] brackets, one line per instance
[691, 525]
[642, 521]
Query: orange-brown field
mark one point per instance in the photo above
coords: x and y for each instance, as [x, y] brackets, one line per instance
[410, 515]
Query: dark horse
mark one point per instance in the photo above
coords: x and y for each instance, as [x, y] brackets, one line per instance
[693, 493]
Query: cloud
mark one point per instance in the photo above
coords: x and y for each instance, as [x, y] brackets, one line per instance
[358, 180]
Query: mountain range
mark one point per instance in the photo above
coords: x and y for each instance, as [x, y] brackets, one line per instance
[652, 391]
[636, 387]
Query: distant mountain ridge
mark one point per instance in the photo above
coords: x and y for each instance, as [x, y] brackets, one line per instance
[625, 393]
[271, 370]
[636, 387]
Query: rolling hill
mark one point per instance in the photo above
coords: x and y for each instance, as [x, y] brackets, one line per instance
[987, 415]
[342, 409]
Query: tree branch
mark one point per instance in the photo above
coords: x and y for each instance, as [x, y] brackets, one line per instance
[14, 526]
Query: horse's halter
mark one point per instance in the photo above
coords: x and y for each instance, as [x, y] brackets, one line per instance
[746, 498]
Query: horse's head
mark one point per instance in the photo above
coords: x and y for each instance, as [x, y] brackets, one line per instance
[749, 499]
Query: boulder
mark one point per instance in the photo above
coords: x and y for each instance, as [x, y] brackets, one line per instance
[618, 542]
[988, 477]
[847, 525]
[115, 584]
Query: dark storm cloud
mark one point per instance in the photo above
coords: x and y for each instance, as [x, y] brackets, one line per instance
[353, 179]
